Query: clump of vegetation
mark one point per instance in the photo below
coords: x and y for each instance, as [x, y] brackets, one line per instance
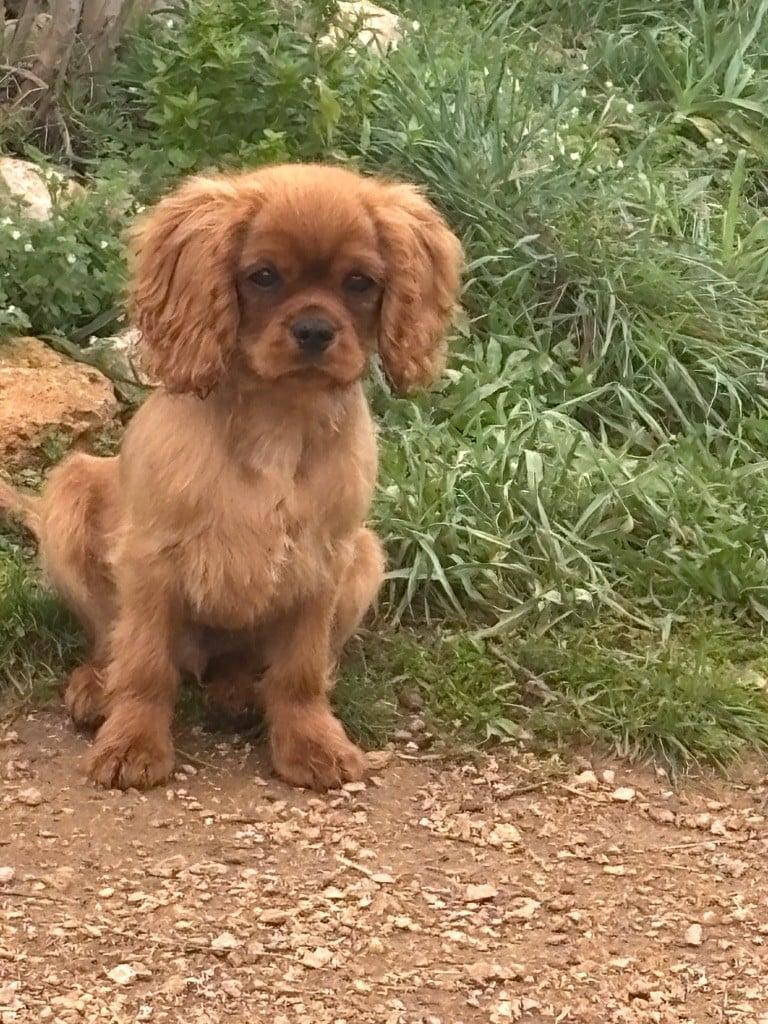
[37, 636]
[586, 495]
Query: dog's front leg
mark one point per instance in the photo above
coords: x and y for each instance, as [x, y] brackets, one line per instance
[134, 747]
[308, 744]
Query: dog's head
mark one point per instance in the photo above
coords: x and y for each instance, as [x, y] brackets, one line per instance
[294, 271]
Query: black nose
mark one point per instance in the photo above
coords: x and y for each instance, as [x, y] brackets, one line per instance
[313, 333]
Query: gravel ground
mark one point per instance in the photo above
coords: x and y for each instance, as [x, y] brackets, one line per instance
[506, 890]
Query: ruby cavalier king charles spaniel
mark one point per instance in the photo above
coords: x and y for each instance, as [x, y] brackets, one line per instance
[227, 539]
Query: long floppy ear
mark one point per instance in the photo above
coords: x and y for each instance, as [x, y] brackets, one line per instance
[423, 277]
[183, 294]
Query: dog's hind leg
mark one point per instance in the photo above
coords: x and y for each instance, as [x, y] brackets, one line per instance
[78, 519]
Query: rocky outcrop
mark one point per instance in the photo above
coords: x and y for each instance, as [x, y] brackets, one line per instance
[45, 398]
[20, 179]
[376, 26]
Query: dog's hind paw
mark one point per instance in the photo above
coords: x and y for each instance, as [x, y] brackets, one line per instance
[85, 698]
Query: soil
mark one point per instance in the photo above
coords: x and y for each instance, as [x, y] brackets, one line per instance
[507, 889]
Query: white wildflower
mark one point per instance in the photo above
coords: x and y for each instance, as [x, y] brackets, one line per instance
[71, 258]
[28, 247]
[630, 107]
[15, 235]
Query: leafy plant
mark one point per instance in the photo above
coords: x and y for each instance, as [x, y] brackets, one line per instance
[59, 275]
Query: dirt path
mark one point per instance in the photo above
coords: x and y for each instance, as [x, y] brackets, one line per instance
[435, 895]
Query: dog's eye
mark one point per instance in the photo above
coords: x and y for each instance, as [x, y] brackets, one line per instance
[358, 284]
[265, 277]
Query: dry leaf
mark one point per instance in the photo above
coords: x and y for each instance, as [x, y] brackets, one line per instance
[480, 893]
[378, 759]
[273, 916]
[168, 868]
[331, 893]
[316, 958]
[484, 972]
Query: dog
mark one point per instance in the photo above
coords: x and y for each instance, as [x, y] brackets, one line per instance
[228, 537]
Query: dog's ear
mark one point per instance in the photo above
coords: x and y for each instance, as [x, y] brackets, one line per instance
[183, 295]
[423, 275]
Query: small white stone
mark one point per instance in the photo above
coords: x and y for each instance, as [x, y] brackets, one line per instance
[30, 797]
[504, 834]
[123, 974]
[694, 935]
[623, 795]
[587, 779]
[317, 958]
[225, 941]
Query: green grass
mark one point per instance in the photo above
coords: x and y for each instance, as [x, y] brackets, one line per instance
[38, 639]
[699, 699]
[583, 501]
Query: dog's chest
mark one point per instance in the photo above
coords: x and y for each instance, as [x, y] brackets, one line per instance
[277, 525]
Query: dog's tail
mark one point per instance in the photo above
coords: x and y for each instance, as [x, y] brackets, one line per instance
[21, 507]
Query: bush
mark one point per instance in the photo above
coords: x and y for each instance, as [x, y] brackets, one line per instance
[236, 83]
[65, 275]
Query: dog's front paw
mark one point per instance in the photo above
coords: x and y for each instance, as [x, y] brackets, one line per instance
[131, 750]
[85, 698]
[310, 749]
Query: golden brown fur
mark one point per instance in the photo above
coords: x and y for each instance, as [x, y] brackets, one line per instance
[227, 538]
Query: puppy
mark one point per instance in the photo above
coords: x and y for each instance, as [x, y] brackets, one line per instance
[227, 539]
